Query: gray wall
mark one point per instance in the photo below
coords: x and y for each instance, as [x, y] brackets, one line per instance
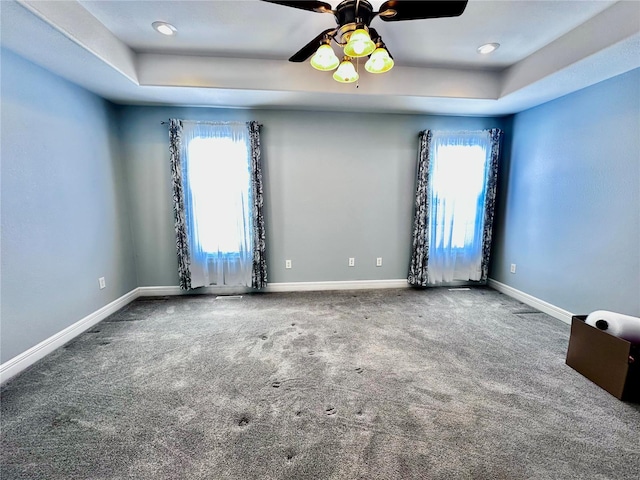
[337, 185]
[64, 220]
[569, 214]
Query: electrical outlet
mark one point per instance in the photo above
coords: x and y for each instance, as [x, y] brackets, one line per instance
[513, 268]
[287, 264]
[352, 262]
[379, 262]
[102, 283]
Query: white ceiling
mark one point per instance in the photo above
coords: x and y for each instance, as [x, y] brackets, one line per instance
[234, 53]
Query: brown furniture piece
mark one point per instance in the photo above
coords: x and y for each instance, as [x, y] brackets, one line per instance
[610, 362]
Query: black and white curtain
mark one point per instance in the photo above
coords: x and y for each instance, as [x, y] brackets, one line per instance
[259, 270]
[207, 255]
[495, 135]
[454, 206]
[182, 238]
[420, 247]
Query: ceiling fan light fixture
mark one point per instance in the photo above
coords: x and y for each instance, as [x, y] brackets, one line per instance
[359, 44]
[346, 72]
[325, 59]
[488, 48]
[353, 34]
[379, 62]
[164, 28]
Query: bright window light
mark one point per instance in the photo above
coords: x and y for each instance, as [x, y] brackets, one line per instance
[219, 179]
[458, 190]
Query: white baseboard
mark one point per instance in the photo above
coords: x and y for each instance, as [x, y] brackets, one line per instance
[341, 285]
[277, 287]
[24, 360]
[171, 290]
[532, 301]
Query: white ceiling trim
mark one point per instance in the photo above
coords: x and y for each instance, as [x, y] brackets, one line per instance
[76, 23]
[590, 38]
[250, 74]
[590, 53]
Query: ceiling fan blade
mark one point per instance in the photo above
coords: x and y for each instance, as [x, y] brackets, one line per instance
[310, 48]
[410, 10]
[320, 7]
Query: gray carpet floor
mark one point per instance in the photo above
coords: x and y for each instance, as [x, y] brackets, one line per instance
[379, 384]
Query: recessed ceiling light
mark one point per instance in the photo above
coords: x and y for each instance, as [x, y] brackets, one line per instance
[164, 28]
[488, 48]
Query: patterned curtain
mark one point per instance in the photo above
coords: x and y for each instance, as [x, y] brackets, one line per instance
[259, 266]
[420, 249]
[182, 238]
[259, 270]
[419, 266]
[492, 181]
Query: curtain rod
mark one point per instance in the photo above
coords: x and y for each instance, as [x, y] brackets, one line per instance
[213, 123]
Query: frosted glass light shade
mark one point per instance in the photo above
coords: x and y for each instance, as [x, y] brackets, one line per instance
[360, 44]
[325, 59]
[379, 62]
[346, 73]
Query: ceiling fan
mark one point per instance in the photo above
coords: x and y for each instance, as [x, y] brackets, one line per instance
[357, 38]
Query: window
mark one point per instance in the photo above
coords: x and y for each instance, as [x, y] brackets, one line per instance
[455, 198]
[458, 181]
[218, 203]
[458, 177]
[218, 182]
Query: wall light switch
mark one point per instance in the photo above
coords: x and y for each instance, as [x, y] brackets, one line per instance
[352, 262]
